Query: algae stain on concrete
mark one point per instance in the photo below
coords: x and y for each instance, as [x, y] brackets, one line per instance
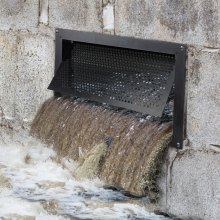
[210, 18]
[141, 15]
[194, 74]
[191, 19]
[179, 16]
[13, 7]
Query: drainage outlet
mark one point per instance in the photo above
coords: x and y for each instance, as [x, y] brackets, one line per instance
[125, 72]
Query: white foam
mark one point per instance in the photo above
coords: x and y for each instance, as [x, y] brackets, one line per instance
[10, 205]
[36, 177]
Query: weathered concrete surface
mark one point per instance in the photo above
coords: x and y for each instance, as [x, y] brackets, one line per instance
[18, 14]
[203, 111]
[26, 68]
[192, 185]
[84, 15]
[190, 181]
[35, 65]
[7, 75]
[189, 21]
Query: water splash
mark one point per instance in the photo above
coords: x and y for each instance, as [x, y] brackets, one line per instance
[75, 127]
[40, 186]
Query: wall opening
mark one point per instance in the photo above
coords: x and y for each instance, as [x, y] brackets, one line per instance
[139, 75]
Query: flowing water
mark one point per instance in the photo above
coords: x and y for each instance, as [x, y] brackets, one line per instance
[36, 184]
[103, 164]
[132, 161]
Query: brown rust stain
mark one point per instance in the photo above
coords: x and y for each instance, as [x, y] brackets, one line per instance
[195, 71]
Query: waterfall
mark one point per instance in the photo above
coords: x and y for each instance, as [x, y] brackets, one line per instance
[81, 130]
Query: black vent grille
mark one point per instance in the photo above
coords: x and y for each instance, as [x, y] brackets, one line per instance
[132, 73]
[132, 79]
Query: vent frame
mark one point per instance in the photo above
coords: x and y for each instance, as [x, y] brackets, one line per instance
[178, 50]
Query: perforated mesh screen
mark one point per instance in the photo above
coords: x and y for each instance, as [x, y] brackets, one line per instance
[133, 79]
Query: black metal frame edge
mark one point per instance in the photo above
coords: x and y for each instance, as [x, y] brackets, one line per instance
[179, 50]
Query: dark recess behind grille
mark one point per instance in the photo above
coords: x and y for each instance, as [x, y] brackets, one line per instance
[132, 79]
[135, 74]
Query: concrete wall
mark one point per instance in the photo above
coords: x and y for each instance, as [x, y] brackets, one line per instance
[190, 182]
[193, 185]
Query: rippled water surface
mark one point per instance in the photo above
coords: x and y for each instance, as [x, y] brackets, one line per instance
[35, 184]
